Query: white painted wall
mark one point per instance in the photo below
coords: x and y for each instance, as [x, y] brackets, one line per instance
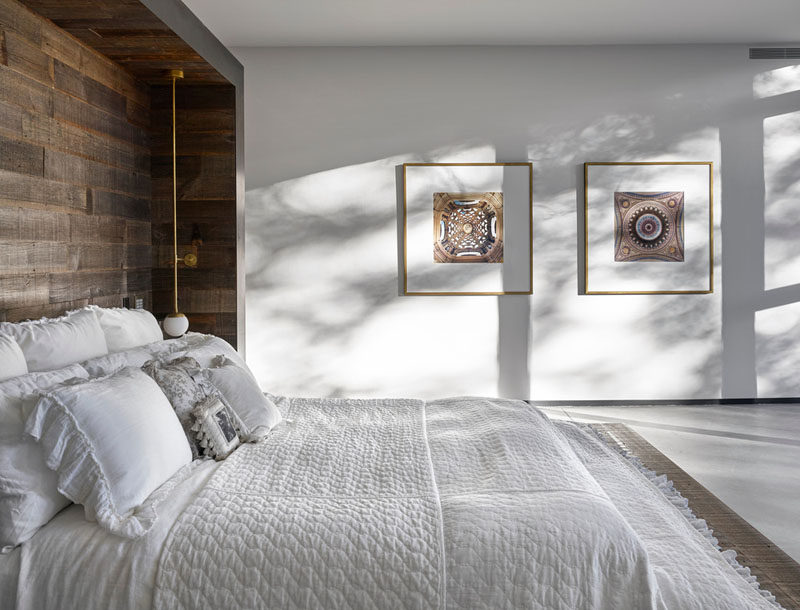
[326, 129]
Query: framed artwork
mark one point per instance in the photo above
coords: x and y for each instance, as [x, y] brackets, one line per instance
[649, 227]
[467, 228]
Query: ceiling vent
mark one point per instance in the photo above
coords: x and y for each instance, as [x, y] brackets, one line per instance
[775, 53]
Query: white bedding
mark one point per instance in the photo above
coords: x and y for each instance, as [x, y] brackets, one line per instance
[459, 503]
[73, 563]
[345, 513]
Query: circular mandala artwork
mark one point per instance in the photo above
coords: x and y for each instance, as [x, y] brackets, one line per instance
[648, 226]
[468, 227]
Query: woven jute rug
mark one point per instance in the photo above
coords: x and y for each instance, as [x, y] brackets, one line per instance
[776, 571]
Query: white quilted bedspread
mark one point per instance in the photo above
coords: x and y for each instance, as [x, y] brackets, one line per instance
[460, 503]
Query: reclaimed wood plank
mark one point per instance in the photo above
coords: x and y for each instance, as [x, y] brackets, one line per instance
[18, 187]
[137, 233]
[97, 229]
[28, 59]
[41, 310]
[72, 110]
[120, 204]
[23, 290]
[62, 47]
[137, 114]
[72, 81]
[96, 256]
[33, 257]
[64, 167]
[20, 124]
[21, 157]
[17, 18]
[16, 88]
[72, 286]
[18, 223]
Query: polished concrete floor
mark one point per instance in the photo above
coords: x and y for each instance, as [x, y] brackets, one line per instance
[746, 455]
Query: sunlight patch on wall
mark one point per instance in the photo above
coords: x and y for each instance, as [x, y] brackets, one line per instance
[623, 350]
[781, 200]
[776, 82]
[323, 313]
[614, 347]
[777, 353]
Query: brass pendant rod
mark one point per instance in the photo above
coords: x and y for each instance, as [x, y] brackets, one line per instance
[175, 74]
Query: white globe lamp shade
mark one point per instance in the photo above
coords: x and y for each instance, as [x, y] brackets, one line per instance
[176, 324]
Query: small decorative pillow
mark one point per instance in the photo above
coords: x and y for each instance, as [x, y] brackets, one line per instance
[183, 392]
[127, 328]
[182, 381]
[240, 390]
[50, 344]
[112, 442]
[12, 360]
[215, 426]
[29, 495]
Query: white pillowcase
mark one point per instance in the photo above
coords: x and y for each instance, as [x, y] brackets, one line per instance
[204, 349]
[12, 360]
[127, 328]
[29, 495]
[111, 363]
[50, 344]
[240, 390]
[112, 442]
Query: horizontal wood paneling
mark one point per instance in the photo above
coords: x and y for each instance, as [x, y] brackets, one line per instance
[125, 31]
[206, 169]
[75, 184]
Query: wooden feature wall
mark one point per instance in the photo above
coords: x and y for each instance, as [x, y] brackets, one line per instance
[127, 32]
[206, 146]
[75, 182]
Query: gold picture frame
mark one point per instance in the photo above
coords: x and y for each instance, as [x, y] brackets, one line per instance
[706, 288]
[527, 247]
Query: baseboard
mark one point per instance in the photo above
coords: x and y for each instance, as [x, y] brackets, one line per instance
[690, 401]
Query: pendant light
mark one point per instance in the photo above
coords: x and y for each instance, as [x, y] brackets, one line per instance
[176, 324]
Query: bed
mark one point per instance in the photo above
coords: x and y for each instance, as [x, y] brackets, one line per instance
[457, 503]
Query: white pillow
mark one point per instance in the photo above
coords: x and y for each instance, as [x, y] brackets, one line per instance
[50, 344]
[12, 360]
[29, 495]
[205, 348]
[111, 363]
[112, 442]
[127, 328]
[240, 390]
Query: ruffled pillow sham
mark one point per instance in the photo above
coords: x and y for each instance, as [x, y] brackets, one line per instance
[29, 495]
[112, 441]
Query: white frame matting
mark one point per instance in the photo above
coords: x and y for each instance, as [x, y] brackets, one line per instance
[695, 275]
[422, 276]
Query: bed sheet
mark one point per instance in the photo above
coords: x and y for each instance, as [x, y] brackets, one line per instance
[73, 563]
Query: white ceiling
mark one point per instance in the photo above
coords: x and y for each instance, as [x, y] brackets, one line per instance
[497, 22]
